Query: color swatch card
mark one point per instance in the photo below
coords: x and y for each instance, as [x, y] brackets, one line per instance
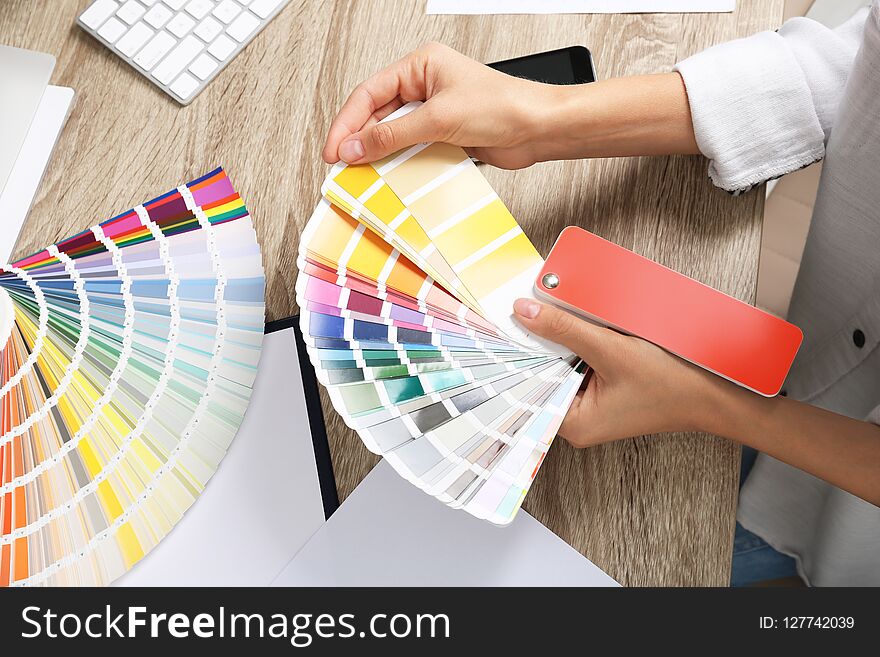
[408, 272]
[127, 357]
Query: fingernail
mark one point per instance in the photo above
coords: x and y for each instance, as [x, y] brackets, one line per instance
[351, 150]
[527, 308]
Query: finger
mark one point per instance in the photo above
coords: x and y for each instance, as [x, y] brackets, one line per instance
[401, 78]
[387, 108]
[584, 423]
[502, 158]
[594, 344]
[377, 141]
[575, 422]
[382, 112]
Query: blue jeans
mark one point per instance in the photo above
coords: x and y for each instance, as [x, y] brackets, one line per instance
[753, 559]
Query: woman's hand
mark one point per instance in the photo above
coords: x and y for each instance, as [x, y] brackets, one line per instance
[506, 121]
[494, 115]
[635, 388]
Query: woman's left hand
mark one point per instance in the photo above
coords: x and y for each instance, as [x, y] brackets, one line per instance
[635, 387]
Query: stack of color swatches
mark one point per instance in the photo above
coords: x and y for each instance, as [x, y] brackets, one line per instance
[128, 356]
[408, 271]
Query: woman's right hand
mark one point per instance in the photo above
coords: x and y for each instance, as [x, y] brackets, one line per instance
[499, 119]
[506, 121]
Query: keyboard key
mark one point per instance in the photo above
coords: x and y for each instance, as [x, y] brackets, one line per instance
[222, 47]
[178, 59]
[134, 40]
[227, 10]
[155, 50]
[263, 8]
[158, 16]
[184, 86]
[149, 3]
[243, 27]
[199, 8]
[98, 13]
[112, 30]
[203, 66]
[208, 30]
[131, 11]
[180, 25]
[175, 4]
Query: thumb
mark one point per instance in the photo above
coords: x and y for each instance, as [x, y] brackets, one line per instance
[380, 139]
[594, 344]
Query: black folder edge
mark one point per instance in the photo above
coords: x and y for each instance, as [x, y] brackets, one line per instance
[320, 445]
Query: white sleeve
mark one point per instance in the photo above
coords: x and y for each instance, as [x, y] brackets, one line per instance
[765, 105]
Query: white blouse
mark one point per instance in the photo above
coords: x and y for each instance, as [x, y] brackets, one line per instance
[762, 107]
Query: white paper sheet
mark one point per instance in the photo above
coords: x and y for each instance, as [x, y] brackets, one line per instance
[578, 6]
[30, 165]
[264, 501]
[389, 533]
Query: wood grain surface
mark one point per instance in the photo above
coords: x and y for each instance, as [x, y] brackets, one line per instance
[652, 510]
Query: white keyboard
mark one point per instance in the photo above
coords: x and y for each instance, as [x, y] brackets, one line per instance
[179, 45]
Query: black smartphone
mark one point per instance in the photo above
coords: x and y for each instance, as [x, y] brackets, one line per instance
[573, 65]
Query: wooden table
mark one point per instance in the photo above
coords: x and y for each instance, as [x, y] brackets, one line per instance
[653, 510]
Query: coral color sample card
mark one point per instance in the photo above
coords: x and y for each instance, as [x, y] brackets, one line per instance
[618, 288]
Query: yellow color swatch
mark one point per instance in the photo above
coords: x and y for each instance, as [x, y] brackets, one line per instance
[131, 548]
[423, 167]
[481, 228]
[463, 190]
[356, 179]
[490, 273]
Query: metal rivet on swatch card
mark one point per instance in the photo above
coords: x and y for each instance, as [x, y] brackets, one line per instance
[550, 281]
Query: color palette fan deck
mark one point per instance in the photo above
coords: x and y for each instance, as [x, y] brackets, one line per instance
[408, 271]
[128, 356]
